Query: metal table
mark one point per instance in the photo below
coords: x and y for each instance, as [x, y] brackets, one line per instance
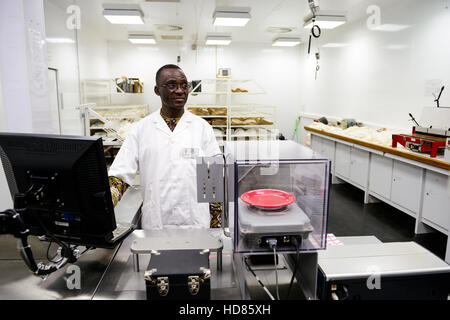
[121, 281]
[109, 273]
[17, 282]
[104, 273]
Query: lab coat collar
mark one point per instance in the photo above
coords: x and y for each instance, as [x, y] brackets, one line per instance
[183, 124]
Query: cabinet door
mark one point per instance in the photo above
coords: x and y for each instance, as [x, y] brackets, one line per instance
[436, 201]
[342, 161]
[359, 166]
[316, 143]
[406, 185]
[328, 149]
[380, 177]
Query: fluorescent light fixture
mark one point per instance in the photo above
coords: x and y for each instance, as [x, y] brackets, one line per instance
[390, 27]
[141, 39]
[231, 16]
[334, 45]
[59, 40]
[396, 47]
[286, 42]
[124, 16]
[325, 21]
[218, 40]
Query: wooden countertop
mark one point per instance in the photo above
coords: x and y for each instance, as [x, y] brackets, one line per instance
[398, 152]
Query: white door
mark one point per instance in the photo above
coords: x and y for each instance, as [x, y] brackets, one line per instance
[342, 160]
[406, 185]
[380, 179]
[359, 166]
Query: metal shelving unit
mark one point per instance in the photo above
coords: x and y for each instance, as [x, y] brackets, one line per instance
[225, 90]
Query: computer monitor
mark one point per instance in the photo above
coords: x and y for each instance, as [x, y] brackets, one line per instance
[63, 181]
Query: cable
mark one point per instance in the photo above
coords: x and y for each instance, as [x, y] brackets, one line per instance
[315, 28]
[273, 245]
[295, 266]
[276, 270]
[259, 281]
[51, 259]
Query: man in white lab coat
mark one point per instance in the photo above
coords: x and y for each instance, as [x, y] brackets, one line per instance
[163, 147]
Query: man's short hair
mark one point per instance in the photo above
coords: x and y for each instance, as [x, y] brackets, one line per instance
[167, 66]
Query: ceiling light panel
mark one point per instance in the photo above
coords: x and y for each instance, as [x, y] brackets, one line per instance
[124, 16]
[141, 39]
[231, 16]
[326, 21]
[59, 40]
[286, 42]
[390, 27]
[218, 40]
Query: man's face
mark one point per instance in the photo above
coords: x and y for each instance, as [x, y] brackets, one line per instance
[172, 87]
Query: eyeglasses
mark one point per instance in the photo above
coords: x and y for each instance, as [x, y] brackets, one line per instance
[173, 86]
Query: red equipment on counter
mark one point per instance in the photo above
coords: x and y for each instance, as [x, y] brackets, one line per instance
[424, 140]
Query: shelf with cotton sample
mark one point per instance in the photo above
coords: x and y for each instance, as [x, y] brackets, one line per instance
[253, 122]
[216, 116]
[232, 120]
[112, 123]
[275, 204]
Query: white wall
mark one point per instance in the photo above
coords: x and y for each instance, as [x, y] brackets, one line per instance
[276, 70]
[380, 77]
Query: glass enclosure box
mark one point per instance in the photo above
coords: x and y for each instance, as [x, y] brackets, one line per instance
[278, 194]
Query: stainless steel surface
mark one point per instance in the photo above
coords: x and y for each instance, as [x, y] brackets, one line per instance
[398, 258]
[210, 184]
[122, 282]
[128, 208]
[17, 282]
[359, 240]
[293, 220]
[178, 239]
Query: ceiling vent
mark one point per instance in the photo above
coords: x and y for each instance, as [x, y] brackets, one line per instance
[278, 29]
[171, 37]
[168, 27]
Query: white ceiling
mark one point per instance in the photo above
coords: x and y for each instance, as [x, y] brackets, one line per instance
[195, 16]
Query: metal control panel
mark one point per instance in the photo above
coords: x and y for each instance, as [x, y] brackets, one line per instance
[210, 179]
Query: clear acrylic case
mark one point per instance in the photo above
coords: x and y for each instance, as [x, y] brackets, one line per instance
[282, 166]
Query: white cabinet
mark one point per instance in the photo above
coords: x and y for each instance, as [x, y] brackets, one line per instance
[436, 202]
[342, 161]
[351, 163]
[328, 147]
[380, 177]
[406, 185]
[316, 143]
[359, 166]
[416, 189]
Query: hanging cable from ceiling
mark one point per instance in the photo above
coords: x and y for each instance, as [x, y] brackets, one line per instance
[315, 30]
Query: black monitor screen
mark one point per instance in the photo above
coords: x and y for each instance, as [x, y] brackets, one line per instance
[65, 181]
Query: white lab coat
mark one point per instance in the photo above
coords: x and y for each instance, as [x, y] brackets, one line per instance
[168, 178]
